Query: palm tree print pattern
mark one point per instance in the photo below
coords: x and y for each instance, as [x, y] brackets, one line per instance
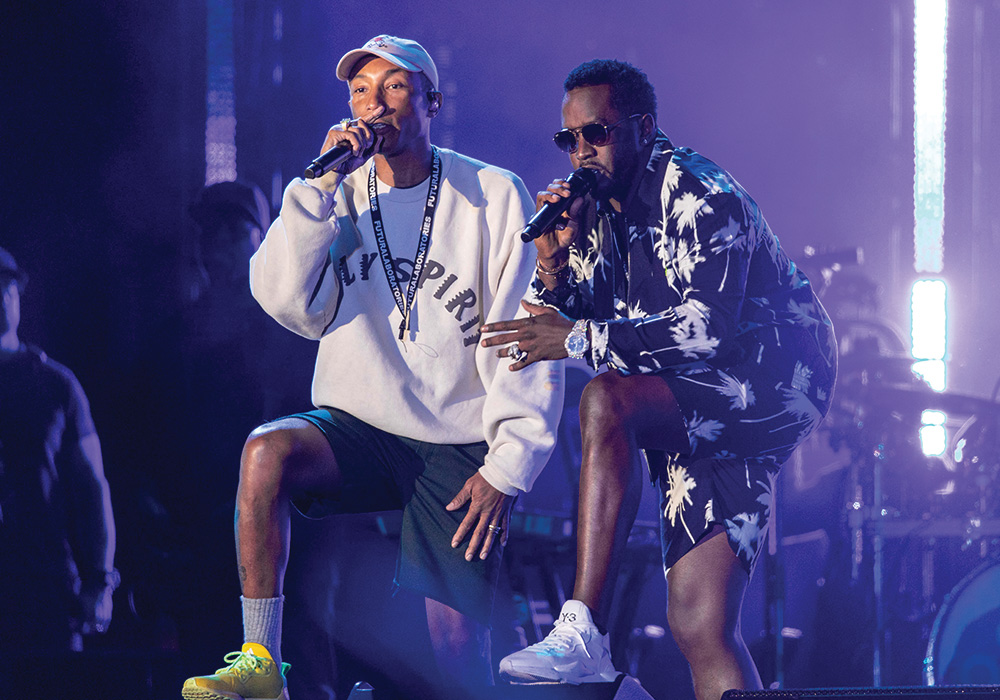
[699, 291]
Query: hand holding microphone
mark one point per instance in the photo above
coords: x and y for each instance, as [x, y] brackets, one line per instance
[558, 199]
[350, 140]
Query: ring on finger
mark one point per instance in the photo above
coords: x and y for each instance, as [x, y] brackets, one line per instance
[515, 352]
[495, 529]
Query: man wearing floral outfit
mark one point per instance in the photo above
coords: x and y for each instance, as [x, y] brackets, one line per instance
[721, 361]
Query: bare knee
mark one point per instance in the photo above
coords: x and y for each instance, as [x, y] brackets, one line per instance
[640, 409]
[705, 594]
[693, 628]
[700, 622]
[277, 457]
[264, 453]
[605, 405]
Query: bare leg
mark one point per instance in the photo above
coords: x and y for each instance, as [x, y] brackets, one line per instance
[280, 461]
[289, 458]
[461, 649]
[618, 415]
[705, 593]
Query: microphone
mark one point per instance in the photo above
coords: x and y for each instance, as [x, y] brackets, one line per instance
[338, 154]
[328, 161]
[580, 182]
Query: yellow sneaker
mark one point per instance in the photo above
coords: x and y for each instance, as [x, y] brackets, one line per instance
[250, 675]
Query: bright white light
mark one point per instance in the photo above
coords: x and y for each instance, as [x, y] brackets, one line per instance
[933, 434]
[928, 300]
[933, 417]
[930, 58]
[929, 319]
[933, 440]
[933, 372]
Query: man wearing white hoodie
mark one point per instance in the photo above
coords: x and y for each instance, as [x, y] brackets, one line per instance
[394, 262]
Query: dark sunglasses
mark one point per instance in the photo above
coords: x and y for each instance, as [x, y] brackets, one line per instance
[594, 134]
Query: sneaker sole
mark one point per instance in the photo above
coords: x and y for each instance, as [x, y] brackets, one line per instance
[529, 679]
[206, 694]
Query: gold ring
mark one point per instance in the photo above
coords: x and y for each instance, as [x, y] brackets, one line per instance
[345, 123]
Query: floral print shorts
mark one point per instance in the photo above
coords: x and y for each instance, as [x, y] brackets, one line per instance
[743, 423]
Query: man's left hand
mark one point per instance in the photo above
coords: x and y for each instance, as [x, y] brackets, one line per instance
[96, 604]
[541, 336]
[487, 519]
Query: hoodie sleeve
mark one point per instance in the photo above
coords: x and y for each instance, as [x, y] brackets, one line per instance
[522, 408]
[292, 275]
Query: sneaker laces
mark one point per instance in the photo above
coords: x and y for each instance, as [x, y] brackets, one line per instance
[560, 639]
[243, 664]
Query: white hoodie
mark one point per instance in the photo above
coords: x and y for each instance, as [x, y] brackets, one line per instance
[318, 273]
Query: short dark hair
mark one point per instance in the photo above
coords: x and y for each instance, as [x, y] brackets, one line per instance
[631, 92]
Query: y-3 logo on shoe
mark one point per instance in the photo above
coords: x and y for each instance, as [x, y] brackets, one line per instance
[567, 617]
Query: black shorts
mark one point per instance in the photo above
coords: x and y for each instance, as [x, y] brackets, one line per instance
[382, 472]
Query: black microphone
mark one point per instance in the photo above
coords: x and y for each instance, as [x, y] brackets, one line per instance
[337, 155]
[328, 160]
[580, 182]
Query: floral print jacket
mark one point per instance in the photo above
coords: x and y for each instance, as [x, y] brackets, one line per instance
[703, 269]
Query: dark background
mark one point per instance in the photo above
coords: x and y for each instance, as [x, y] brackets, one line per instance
[808, 105]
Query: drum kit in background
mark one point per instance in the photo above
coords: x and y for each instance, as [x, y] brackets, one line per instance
[916, 522]
[923, 532]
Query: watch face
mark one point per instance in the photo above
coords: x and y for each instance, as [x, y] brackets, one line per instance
[576, 344]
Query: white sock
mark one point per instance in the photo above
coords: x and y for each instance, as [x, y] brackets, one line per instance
[262, 623]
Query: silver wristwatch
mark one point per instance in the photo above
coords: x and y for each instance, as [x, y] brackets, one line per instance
[576, 342]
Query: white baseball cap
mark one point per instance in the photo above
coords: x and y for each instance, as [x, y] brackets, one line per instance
[405, 53]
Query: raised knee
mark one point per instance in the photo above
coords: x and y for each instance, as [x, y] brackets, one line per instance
[266, 454]
[605, 402]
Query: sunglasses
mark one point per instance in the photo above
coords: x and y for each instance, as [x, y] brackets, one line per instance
[594, 134]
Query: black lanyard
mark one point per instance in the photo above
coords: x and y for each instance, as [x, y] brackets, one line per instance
[404, 306]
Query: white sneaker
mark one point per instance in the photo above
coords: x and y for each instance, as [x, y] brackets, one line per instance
[574, 652]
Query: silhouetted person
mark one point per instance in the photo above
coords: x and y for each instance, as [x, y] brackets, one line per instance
[232, 218]
[57, 532]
